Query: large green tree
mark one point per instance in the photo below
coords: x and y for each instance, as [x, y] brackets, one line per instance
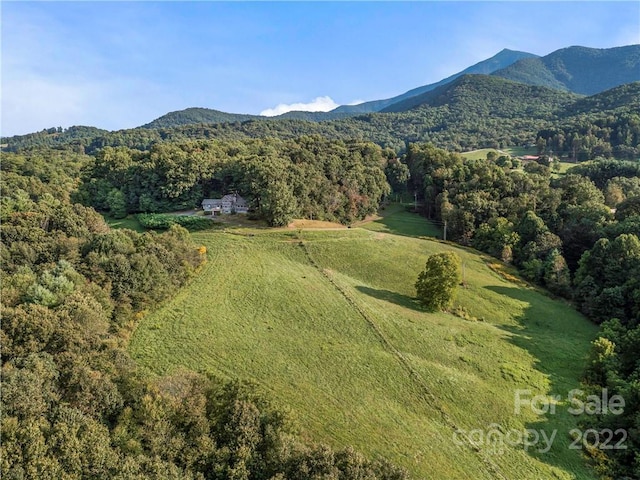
[437, 284]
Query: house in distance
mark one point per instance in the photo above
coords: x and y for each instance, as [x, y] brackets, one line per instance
[231, 203]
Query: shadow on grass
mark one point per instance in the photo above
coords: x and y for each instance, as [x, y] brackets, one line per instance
[554, 335]
[408, 225]
[398, 220]
[391, 297]
[130, 222]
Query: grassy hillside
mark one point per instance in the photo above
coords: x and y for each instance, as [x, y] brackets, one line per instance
[481, 153]
[325, 323]
[399, 221]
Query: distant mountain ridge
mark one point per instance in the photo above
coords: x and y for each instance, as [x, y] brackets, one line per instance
[582, 70]
[193, 115]
[473, 111]
[205, 115]
[502, 59]
[487, 95]
[531, 88]
[623, 96]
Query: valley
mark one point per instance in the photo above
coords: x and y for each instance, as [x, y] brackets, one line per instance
[415, 286]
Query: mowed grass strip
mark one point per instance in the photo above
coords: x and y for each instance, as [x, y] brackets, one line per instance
[130, 222]
[260, 310]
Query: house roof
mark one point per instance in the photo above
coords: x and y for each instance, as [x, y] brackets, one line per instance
[232, 198]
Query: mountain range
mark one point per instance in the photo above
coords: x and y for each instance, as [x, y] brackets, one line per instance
[501, 60]
[474, 110]
[580, 70]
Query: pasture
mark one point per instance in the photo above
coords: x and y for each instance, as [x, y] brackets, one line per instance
[325, 324]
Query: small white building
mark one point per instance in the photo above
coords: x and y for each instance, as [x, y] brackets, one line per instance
[231, 203]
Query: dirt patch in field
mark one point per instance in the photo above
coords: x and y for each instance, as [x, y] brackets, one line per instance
[303, 223]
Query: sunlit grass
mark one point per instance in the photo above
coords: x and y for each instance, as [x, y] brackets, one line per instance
[481, 153]
[325, 323]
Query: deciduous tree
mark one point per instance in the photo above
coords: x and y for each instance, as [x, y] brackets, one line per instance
[437, 284]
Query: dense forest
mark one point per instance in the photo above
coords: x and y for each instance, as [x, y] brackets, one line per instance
[590, 129]
[74, 404]
[309, 177]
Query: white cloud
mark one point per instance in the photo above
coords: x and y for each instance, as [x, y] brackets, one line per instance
[32, 103]
[319, 104]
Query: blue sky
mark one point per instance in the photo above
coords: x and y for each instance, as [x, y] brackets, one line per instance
[122, 64]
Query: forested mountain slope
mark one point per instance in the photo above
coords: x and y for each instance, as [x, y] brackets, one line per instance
[580, 70]
[473, 111]
[501, 60]
[196, 115]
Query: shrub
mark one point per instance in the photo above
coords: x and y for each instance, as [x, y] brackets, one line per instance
[162, 221]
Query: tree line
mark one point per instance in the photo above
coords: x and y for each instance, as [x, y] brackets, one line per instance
[577, 235]
[309, 177]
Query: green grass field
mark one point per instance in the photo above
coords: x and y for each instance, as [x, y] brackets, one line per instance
[324, 322]
[564, 166]
[397, 220]
[481, 154]
[520, 151]
[130, 222]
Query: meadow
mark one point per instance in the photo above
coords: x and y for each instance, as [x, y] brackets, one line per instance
[130, 222]
[481, 153]
[325, 324]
